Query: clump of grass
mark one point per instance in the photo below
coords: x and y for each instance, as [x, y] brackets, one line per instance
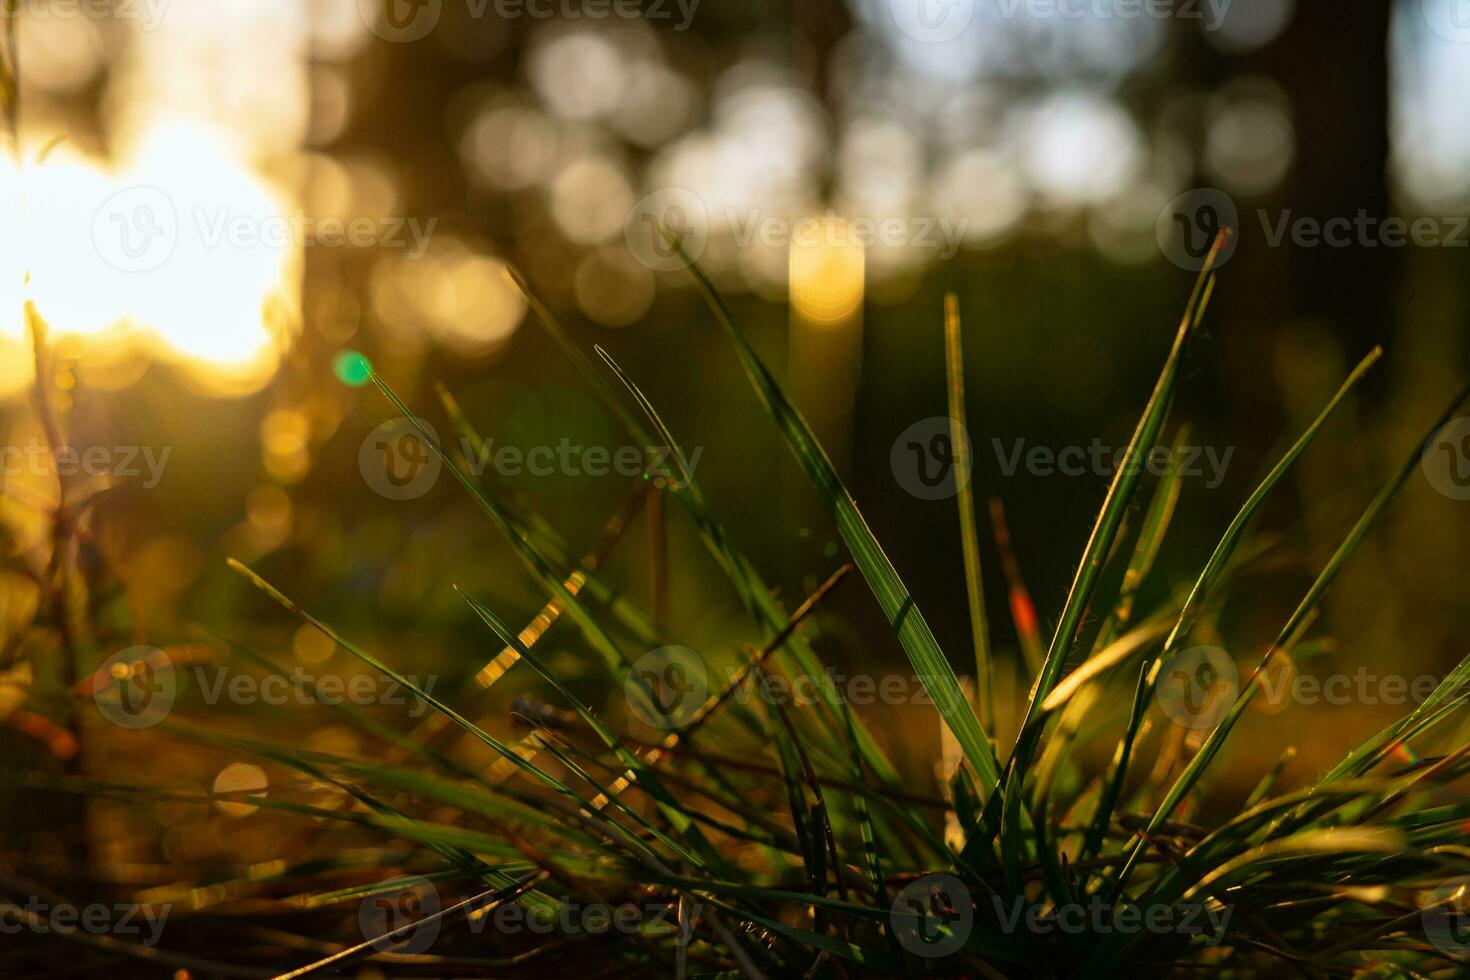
[855, 874]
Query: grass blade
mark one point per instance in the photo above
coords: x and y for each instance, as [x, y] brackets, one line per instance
[1284, 639]
[1099, 545]
[969, 535]
[898, 605]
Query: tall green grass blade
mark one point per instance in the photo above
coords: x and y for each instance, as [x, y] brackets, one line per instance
[959, 438]
[1150, 540]
[1099, 546]
[898, 605]
[753, 591]
[1215, 568]
[759, 599]
[1371, 750]
[1289, 632]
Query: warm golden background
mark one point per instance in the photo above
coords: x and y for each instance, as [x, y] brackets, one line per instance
[527, 141]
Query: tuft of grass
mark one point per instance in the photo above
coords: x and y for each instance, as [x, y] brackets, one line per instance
[780, 839]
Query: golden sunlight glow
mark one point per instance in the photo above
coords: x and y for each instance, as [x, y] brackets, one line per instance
[182, 247]
[176, 246]
[826, 271]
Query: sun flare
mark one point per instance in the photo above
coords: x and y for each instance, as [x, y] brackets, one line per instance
[182, 249]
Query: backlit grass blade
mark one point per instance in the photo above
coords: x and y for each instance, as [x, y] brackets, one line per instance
[753, 591]
[1150, 540]
[1210, 576]
[358, 717]
[646, 777]
[383, 811]
[1263, 788]
[545, 537]
[1117, 652]
[1233, 534]
[478, 903]
[954, 361]
[534, 560]
[503, 750]
[1207, 579]
[898, 605]
[1331, 840]
[1370, 751]
[1328, 575]
[758, 598]
[524, 548]
[1099, 546]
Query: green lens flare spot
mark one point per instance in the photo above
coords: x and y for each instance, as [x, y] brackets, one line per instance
[353, 369]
